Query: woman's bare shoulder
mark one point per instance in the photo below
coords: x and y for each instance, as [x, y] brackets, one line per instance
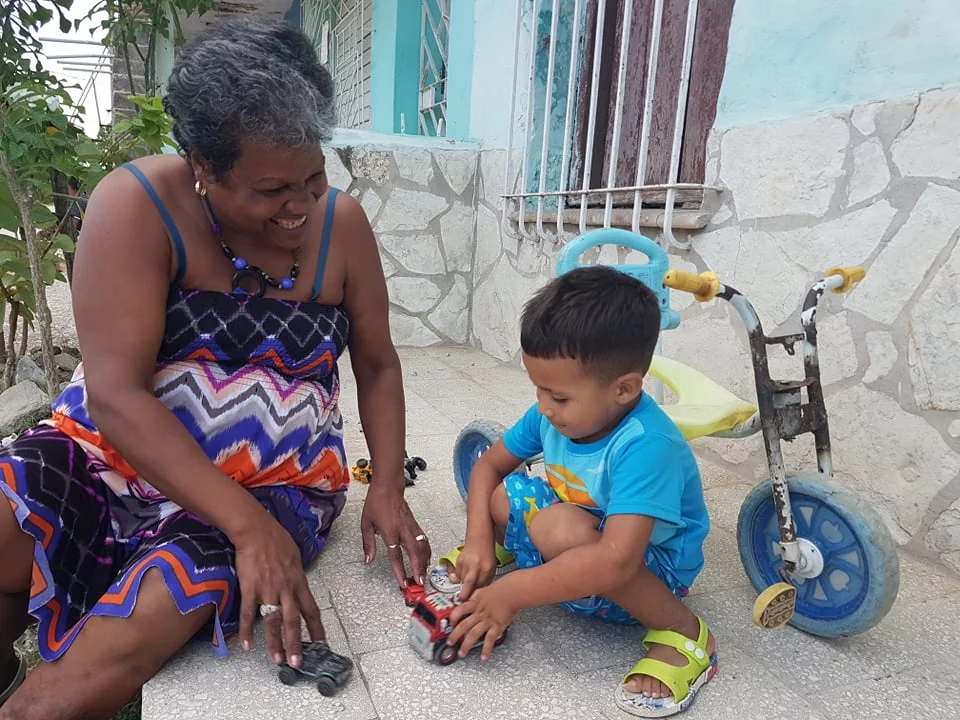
[163, 172]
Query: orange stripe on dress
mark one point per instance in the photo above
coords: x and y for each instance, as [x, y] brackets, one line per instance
[70, 427]
[38, 583]
[190, 588]
[202, 354]
[274, 356]
[239, 466]
[327, 472]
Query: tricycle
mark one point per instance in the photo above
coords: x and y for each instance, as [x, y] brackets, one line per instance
[819, 556]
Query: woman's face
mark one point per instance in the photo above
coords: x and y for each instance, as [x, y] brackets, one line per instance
[271, 193]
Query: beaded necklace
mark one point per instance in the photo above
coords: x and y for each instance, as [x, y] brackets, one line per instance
[245, 271]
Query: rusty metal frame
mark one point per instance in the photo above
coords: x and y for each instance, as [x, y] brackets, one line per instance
[783, 411]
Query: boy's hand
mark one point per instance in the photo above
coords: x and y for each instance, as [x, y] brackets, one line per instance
[475, 567]
[485, 617]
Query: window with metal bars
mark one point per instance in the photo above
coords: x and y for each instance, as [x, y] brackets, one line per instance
[341, 30]
[434, 51]
[617, 103]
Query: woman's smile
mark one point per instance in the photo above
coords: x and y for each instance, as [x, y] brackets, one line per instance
[290, 223]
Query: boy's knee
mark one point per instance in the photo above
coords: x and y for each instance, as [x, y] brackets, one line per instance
[500, 507]
[560, 527]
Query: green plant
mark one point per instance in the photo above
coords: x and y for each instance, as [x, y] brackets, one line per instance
[130, 24]
[35, 138]
[40, 148]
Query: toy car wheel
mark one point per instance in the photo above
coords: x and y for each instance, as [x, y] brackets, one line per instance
[447, 655]
[362, 463]
[474, 440]
[326, 686]
[420, 463]
[288, 676]
[856, 574]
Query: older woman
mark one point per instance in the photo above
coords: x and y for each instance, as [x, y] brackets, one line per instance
[195, 464]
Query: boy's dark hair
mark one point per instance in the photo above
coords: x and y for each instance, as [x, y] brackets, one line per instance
[604, 318]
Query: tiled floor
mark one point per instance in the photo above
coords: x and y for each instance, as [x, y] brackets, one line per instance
[554, 665]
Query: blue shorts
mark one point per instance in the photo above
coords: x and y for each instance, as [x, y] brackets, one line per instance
[529, 494]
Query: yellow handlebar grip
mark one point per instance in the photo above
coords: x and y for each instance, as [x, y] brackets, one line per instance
[704, 287]
[851, 276]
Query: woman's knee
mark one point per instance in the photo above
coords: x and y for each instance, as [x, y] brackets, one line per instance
[560, 527]
[16, 548]
[155, 630]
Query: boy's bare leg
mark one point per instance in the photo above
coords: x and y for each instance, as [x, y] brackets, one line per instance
[558, 528]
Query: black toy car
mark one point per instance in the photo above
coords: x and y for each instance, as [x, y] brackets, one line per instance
[330, 670]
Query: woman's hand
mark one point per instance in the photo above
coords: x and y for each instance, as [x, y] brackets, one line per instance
[270, 572]
[386, 513]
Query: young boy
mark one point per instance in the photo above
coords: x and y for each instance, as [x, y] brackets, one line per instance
[616, 530]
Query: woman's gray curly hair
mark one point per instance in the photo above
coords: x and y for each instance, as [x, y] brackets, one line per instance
[248, 80]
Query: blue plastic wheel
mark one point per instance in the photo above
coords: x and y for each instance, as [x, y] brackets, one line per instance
[474, 440]
[859, 569]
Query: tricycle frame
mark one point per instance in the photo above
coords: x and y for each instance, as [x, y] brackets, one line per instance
[783, 414]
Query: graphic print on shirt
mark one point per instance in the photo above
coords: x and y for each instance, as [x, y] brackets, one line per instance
[568, 487]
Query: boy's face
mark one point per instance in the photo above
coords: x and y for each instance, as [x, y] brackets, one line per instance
[581, 405]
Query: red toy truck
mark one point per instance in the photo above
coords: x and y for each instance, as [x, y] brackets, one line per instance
[430, 625]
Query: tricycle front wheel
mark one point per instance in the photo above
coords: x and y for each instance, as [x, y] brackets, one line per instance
[855, 576]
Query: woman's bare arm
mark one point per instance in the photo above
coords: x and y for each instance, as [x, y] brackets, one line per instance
[380, 397]
[120, 283]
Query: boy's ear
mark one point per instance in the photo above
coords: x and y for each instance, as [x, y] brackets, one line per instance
[629, 387]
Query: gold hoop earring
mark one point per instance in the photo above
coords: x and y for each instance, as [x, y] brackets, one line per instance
[199, 189]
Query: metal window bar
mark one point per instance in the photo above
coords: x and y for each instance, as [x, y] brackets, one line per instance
[341, 31]
[514, 217]
[434, 51]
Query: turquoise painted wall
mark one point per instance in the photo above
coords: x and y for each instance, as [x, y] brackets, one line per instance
[793, 58]
[460, 68]
[492, 67]
[395, 65]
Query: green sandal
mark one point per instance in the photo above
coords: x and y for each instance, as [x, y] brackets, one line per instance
[684, 681]
[440, 578]
[17, 681]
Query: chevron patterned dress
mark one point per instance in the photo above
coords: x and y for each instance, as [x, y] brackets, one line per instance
[254, 381]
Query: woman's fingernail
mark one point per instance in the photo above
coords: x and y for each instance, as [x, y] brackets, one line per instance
[366, 559]
[277, 658]
[246, 645]
[295, 661]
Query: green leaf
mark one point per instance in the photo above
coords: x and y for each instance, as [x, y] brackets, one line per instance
[63, 243]
[88, 151]
[42, 215]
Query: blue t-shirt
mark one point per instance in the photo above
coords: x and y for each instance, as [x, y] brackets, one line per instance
[643, 467]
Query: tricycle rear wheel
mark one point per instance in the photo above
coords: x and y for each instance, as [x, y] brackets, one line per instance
[474, 440]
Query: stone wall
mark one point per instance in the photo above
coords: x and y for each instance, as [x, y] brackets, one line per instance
[421, 202]
[877, 185]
